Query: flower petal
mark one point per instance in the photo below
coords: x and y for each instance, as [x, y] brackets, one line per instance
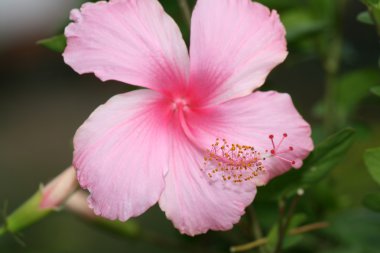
[234, 45]
[192, 202]
[121, 154]
[250, 120]
[132, 41]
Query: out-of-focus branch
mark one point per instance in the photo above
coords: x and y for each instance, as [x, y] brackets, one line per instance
[283, 226]
[295, 231]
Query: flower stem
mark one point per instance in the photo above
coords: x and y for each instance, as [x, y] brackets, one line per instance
[250, 245]
[309, 228]
[293, 232]
[183, 4]
[255, 227]
[25, 215]
[43, 202]
[281, 230]
[256, 230]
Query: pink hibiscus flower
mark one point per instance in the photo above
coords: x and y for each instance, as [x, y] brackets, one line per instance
[160, 144]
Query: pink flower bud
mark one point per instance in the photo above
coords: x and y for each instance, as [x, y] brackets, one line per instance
[59, 189]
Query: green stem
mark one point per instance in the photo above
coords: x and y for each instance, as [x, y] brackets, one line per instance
[25, 215]
[255, 227]
[283, 226]
[250, 245]
[42, 203]
[281, 214]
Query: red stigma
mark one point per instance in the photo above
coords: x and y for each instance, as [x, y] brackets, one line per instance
[276, 150]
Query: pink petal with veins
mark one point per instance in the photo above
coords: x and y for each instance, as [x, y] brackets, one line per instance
[234, 45]
[132, 41]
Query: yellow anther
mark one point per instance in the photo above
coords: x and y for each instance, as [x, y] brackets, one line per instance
[232, 162]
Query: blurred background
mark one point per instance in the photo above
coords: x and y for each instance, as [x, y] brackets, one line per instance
[43, 102]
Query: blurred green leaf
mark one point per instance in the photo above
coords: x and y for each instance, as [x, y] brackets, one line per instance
[324, 9]
[296, 221]
[365, 18]
[272, 237]
[275, 4]
[372, 160]
[327, 155]
[56, 43]
[376, 90]
[352, 88]
[354, 230]
[372, 201]
[289, 241]
[374, 2]
[300, 23]
[374, 9]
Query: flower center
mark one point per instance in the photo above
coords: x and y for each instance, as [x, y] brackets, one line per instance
[180, 104]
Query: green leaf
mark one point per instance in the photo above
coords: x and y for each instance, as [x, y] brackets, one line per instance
[376, 90]
[372, 201]
[353, 229]
[296, 220]
[275, 4]
[365, 18]
[374, 9]
[300, 23]
[56, 43]
[272, 237]
[327, 155]
[351, 89]
[375, 3]
[323, 9]
[372, 161]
